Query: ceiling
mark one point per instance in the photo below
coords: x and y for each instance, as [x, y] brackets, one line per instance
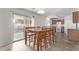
[60, 12]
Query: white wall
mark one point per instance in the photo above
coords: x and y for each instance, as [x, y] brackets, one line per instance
[69, 23]
[6, 24]
[5, 27]
[40, 21]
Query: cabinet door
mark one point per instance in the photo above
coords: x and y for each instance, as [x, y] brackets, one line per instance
[54, 21]
[76, 17]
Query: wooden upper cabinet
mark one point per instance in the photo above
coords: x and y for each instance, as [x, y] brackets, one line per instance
[76, 17]
[62, 21]
[53, 21]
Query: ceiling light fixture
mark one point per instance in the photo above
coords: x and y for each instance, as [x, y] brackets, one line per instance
[40, 11]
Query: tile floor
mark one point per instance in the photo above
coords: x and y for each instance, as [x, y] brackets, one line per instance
[18, 36]
[61, 44]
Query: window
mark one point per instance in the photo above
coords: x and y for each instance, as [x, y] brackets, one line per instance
[21, 21]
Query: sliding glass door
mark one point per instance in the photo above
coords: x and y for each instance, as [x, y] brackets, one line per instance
[19, 23]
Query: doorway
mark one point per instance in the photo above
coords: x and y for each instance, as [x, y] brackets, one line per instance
[58, 27]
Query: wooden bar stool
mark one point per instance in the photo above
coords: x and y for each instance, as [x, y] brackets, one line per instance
[49, 35]
[28, 37]
[42, 40]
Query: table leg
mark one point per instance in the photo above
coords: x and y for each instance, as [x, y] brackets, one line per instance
[25, 37]
[37, 37]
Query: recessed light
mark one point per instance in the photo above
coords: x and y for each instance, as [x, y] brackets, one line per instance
[40, 11]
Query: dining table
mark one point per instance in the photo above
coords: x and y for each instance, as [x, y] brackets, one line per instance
[36, 31]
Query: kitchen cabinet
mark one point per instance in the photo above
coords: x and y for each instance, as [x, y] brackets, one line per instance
[76, 17]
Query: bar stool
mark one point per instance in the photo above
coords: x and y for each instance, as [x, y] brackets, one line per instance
[42, 40]
[49, 35]
[28, 36]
